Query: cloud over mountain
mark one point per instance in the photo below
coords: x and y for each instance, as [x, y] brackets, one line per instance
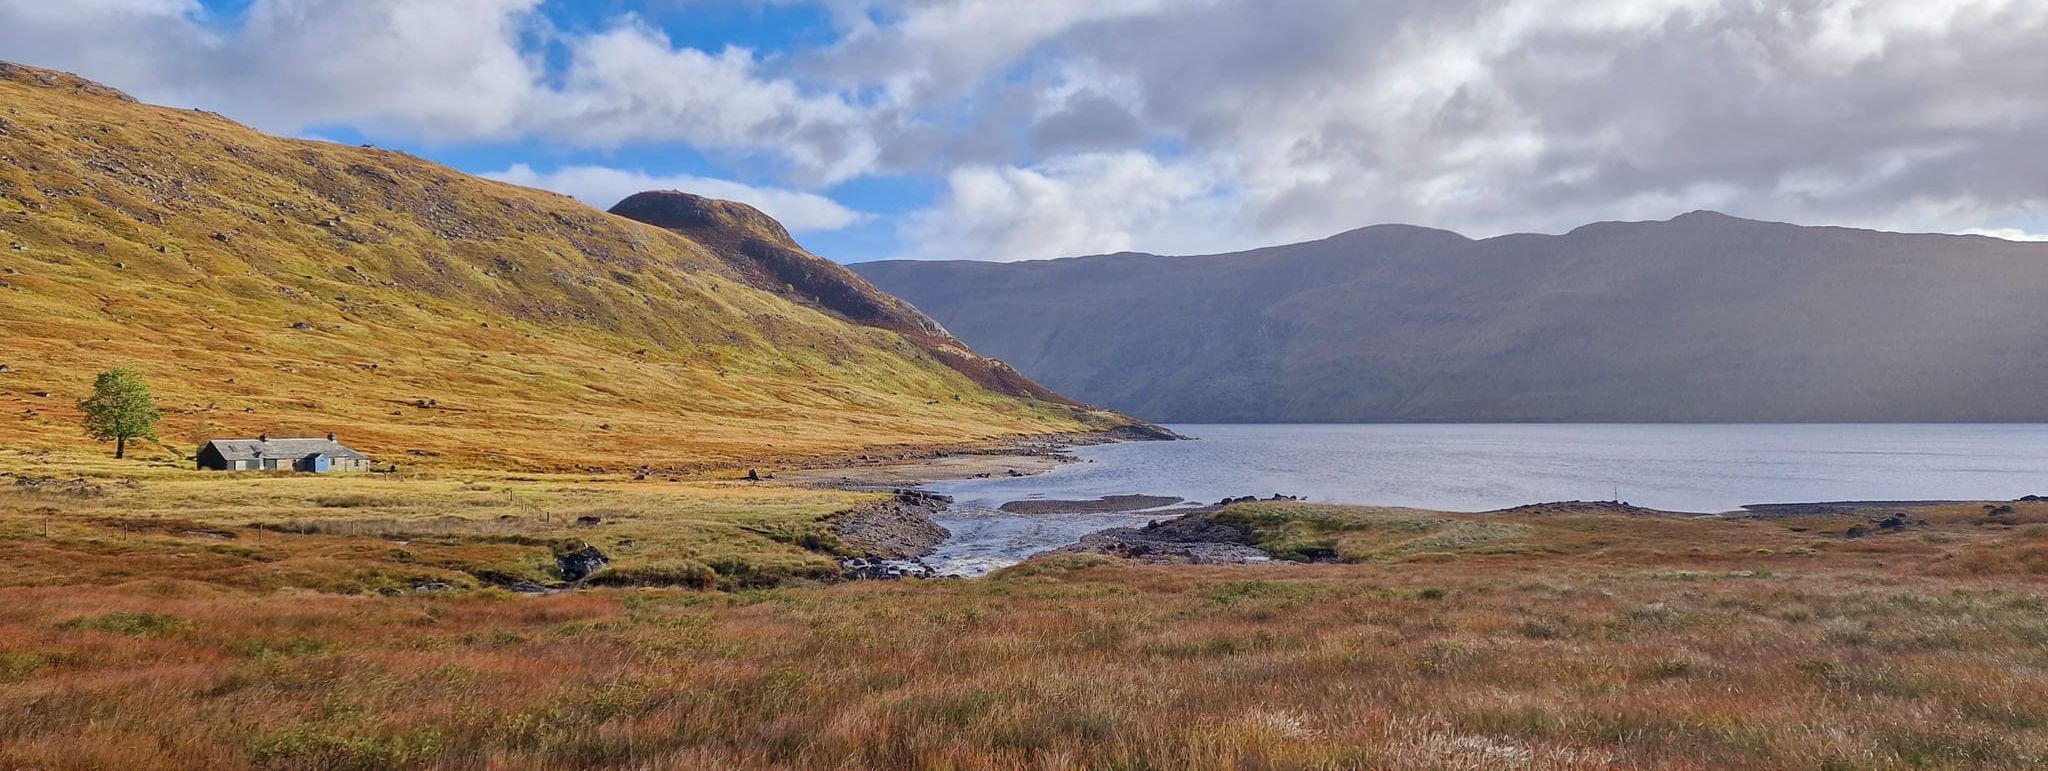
[1255, 121]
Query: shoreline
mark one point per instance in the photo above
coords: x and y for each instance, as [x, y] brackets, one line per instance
[1021, 527]
[884, 469]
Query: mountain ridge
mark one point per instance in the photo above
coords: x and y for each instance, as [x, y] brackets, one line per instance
[1701, 317]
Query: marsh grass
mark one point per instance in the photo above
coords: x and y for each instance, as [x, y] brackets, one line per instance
[1570, 642]
[367, 534]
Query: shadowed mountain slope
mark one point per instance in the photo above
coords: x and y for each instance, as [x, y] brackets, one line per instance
[762, 253]
[1704, 317]
[294, 287]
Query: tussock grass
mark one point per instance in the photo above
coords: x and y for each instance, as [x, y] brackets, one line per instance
[377, 533]
[1574, 642]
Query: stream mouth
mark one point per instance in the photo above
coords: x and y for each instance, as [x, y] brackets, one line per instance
[986, 538]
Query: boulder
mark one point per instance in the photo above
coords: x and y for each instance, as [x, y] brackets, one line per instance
[578, 564]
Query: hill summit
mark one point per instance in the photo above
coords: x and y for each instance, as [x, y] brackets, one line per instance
[298, 288]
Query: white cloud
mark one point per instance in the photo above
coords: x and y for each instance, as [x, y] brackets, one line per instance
[1491, 116]
[1078, 204]
[2009, 234]
[602, 187]
[442, 70]
[631, 84]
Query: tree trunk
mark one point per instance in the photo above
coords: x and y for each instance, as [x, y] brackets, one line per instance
[120, 447]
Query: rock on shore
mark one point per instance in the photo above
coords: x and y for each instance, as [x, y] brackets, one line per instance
[899, 528]
[1194, 539]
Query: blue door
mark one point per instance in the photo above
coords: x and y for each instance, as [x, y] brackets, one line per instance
[319, 464]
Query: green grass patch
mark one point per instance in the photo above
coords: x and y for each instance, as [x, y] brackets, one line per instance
[1321, 532]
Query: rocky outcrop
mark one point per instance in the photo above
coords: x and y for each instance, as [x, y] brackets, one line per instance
[899, 528]
[1143, 432]
[1895, 522]
[578, 564]
[1195, 539]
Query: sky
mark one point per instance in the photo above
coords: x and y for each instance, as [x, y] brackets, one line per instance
[1028, 129]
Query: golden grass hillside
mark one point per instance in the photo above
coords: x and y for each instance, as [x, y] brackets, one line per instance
[295, 287]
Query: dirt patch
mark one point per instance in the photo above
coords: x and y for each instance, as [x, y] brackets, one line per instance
[80, 486]
[1105, 505]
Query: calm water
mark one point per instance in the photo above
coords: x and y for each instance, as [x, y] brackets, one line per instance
[1701, 468]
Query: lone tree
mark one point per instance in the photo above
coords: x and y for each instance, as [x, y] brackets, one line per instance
[119, 409]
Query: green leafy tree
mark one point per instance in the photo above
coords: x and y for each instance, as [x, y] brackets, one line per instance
[119, 409]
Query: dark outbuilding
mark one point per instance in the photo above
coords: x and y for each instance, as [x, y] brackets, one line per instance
[263, 453]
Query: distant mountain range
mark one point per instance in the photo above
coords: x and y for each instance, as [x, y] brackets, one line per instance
[1705, 317]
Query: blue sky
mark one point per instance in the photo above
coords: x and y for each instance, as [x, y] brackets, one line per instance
[1002, 130]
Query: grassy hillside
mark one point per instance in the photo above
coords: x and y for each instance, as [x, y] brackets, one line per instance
[1701, 318]
[295, 287]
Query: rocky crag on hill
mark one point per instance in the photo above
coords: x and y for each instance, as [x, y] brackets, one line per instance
[275, 285]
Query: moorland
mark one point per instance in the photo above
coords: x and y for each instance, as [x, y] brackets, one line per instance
[162, 617]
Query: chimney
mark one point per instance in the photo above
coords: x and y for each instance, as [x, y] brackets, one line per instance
[263, 437]
[330, 436]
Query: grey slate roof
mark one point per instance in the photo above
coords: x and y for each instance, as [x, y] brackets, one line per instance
[252, 449]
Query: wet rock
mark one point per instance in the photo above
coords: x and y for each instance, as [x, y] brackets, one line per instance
[859, 569]
[895, 529]
[578, 564]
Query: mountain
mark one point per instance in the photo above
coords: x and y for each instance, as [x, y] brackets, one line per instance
[1704, 317]
[296, 287]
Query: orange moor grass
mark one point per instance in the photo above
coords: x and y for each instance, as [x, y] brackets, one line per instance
[1546, 642]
